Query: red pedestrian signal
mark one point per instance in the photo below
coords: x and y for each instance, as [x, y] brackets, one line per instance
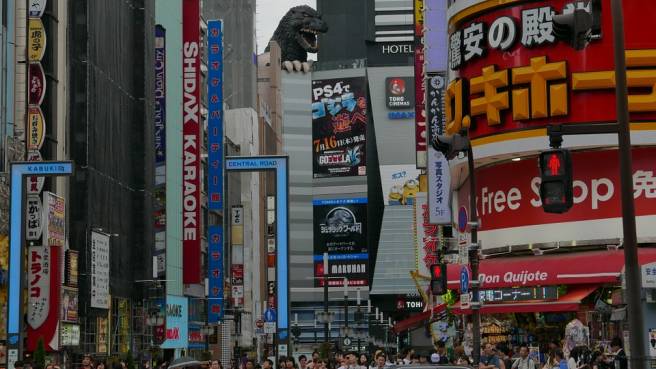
[556, 190]
[438, 279]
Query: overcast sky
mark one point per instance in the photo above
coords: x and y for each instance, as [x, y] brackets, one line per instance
[269, 13]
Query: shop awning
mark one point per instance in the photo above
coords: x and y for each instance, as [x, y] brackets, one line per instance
[416, 320]
[594, 267]
[568, 302]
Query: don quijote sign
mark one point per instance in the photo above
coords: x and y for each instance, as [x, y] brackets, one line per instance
[511, 72]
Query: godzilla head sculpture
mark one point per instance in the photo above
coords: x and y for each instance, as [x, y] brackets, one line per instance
[297, 33]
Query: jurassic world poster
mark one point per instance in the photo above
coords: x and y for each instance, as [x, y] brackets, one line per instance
[339, 126]
[340, 229]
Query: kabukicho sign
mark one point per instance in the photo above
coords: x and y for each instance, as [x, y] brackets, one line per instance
[191, 232]
[513, 73]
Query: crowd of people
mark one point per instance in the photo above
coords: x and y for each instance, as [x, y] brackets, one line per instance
[500, 356]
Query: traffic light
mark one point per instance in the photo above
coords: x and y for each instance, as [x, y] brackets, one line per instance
[556, 190]
[438, 279]
[578, 26]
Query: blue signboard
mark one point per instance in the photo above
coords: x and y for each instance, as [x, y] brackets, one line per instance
[20, 170]
[177, 323]
[464, 279]
[215, 114]
[215, 276]
[269, 315]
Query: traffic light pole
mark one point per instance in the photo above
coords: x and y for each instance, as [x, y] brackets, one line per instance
[632, 269]
[637, 343]
[474, 260]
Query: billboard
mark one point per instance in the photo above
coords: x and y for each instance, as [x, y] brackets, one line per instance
[435, 39]
[160, 105]
[69, 305]
[177, 322]
[340, 229]
[400, 184]
[546, 81]
[420, 85]
[191, 126]
[99, 270]
[339, 126]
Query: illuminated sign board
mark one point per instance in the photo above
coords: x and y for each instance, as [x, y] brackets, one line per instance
[519, 294]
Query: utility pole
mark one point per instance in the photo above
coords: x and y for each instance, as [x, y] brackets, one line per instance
[632, 270]
[326, 324]
[474, 259]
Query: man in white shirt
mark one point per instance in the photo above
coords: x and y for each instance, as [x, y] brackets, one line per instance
[524, 362]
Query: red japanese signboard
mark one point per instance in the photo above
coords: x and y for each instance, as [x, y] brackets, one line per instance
[507, 195]
[191, 232]
[44, 296]
[515, 74]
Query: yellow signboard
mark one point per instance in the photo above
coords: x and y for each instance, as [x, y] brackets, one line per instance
[36, 34]
[36, 128]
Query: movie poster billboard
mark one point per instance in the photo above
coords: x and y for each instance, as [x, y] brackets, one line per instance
[340, 229]
[339, 125]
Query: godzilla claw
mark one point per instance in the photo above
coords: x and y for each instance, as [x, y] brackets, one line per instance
[288, 66]
[297, 65]
[307, 66]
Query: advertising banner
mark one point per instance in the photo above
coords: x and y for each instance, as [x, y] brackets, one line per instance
[191, 196]
[546, 81]
[102, 335]
[36, 8]
[71, 265]
[340, 229]
[99, 270]
[70, 335]
[435, 31]
[54, 220]
[160, 105]
[437, 169]
[34, 183]
[400, 184]
[123, 325]
[427, 236]
[69, 305]
[177, 322]
[33, 218]
[39, 281]
[420, 85]
[215, 115]
[36, 41]
[339, 125]
[215, 276]
[44, 299]
[36, 85]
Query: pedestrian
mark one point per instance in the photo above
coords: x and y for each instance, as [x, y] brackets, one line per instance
[87, 362]
[408, 352]
[18, 364]
[460, 357]
[99, 364]
[577, 358]
[524, 361]
[489, 359]
[290, 363]
[598, 361]
[250, 364]
[619, 356]
[215, 364]
[363, 361]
